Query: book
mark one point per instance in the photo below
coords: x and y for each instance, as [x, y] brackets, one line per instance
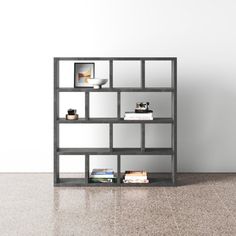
[134, 114]
[136, 181]
[135, 173]
[102, 173]
[135, 177]
[138, 116]
[101, 180]
[102, 176]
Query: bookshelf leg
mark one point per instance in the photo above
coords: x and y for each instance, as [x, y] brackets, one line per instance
[86, 169]
[173, 169]
[118, 169]
[56, 168]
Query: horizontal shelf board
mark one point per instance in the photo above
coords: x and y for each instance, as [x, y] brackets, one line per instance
[115, 58]
[124, 89]
[70, 181]
[114, 120]
[75, 182]
[115, 151]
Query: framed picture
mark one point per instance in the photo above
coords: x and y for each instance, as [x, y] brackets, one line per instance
[83, 72]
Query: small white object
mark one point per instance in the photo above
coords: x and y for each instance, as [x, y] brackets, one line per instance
[96, 83]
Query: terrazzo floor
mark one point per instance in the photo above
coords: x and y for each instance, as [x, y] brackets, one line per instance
[202, 204]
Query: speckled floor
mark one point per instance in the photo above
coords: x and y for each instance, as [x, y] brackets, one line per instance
[203, 204]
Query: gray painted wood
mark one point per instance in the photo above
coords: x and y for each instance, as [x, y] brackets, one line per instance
[142, 137]
[118, 170]
[117, 89]
[115, 151]
[86, 168]
[111, 136]
[111, 73]
[118, 105]
[174, 116]
[163, 120]
[86, 105]
[172, 151]
[116, 58]
[56, 125]
[142, 74]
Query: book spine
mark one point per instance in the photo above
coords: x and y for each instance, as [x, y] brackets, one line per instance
[139, 118]
[102, 173]
[135, 177]
[102, 176]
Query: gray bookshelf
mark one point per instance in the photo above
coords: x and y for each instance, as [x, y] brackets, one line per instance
[168, 152]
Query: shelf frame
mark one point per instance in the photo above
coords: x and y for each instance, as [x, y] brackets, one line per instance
[111, 150]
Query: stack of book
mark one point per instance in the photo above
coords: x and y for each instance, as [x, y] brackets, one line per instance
[102, 176]
[135, 177]
[138, 116]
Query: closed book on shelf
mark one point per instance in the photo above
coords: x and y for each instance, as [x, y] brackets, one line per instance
[101, 180]
[135, 173]
[136, 181]
[102, 171]
[102, 176]
[135, 177]
[138, 116]
[134, 114]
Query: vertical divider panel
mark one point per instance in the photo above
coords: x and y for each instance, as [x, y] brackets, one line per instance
[111, 136]
[143, 137]
[111, 73]
[86, 105]
[86, 168]
[142, 74]
[56, 124]
[118, 105]
[174, 116]
[118, 169]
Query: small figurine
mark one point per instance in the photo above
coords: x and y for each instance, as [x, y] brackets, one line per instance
[72, 115]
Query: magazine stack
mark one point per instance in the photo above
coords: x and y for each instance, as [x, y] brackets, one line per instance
[102, 176]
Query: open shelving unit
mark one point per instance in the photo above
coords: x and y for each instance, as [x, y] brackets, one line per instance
[172, 151]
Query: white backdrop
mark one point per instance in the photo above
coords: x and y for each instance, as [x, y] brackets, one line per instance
[200, 33]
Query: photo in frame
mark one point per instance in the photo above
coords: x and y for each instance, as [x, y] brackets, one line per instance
[82, 73]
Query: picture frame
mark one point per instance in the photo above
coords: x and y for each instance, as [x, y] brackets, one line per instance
[82, 72]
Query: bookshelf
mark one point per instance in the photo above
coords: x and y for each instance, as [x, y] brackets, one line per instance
[118, 152]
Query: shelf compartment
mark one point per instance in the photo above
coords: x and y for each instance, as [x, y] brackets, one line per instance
[116, 89]
[115, 151]
[114, 120]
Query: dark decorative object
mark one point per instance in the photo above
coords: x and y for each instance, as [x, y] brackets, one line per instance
[142, 107]
[72, 115]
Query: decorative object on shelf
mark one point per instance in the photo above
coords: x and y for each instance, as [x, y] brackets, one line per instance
[135, 177]
[84, 76]
[141, 112]
[102, 176]
[72, 115]
[83, 72]
[142, 107]
[97, 83]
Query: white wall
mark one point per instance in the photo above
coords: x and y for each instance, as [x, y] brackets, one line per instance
[200, 33]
